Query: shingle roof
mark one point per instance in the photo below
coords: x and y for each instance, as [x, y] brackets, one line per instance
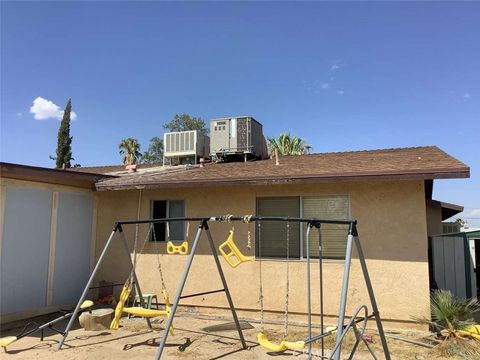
[427, 162]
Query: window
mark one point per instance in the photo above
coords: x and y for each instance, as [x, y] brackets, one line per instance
[271, 243]
[168, 209]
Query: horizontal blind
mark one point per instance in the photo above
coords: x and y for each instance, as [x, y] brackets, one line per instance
[176, 208]
[273, 236]
[334, 236]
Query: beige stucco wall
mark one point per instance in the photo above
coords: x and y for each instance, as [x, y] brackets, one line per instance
[391, 223]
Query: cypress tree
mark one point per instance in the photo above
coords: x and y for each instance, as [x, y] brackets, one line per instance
[64, 140]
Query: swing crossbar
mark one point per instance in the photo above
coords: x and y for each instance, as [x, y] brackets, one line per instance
[118, 224]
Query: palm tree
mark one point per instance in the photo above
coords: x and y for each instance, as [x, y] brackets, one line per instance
[451, 319]
[289, 145]
[130, 149]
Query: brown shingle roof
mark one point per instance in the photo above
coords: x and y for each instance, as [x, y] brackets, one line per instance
[419, 162]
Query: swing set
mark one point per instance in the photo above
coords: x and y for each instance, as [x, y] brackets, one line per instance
[234, 257]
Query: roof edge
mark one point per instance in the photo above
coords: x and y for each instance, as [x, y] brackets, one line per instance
[447, 174]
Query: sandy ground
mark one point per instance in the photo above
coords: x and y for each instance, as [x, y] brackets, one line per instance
[134, 341]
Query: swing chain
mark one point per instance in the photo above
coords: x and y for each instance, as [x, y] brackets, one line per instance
[159, 264]
[260, 289]
[287, 285]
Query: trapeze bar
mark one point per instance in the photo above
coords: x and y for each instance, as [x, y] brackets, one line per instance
[238, 218]
[202, 293]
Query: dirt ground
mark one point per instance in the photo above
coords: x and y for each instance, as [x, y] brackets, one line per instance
[190, 341]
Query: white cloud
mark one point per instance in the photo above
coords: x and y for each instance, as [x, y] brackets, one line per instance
[340, 92]
[325, 86]
[334, 67]
[43, 109]
[467, 95]
[475, 212]
[19, 114]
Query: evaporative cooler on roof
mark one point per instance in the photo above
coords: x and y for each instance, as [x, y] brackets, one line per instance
[185, 147]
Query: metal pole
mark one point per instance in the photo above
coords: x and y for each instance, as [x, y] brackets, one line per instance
[343, 299]
[372, 296]
[309, 295]
[85, 291]
[135, 279]
[186, 269]
[225, 286]
[320, 275]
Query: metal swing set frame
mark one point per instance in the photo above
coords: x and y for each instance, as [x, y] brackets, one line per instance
[341, 329]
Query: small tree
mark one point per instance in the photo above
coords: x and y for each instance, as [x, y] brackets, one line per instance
[460, 222]
[64, 141]
[130, 149]
[288, 145]
[154, 154]
[450, 318]
[185, 122]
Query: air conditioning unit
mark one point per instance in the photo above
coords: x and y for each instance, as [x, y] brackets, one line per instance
[185, 147]
[237, 137]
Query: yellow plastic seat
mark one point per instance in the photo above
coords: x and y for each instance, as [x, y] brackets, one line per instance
[230, 252]
[86, 304]
[181, 249]
[472, 331]
[143, 312]
[138, 310]
[283, 346]
[7, 340]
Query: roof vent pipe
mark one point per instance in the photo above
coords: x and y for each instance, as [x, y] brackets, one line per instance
[276, 157]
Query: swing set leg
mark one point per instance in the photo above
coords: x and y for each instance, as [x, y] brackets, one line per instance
[203, 226]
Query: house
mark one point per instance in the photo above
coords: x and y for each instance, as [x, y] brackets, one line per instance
[388, 191]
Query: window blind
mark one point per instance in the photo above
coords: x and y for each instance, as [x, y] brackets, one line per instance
[176, 208]
[334, 236]
[272, 238]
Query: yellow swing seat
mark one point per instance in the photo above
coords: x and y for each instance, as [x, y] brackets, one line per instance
[181, 249]
[147, 313]
[230, 252]
[472, 331]
[283, 346]
[138, 311]
[7, 340]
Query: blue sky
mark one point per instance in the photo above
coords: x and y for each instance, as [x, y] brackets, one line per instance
[345, 76]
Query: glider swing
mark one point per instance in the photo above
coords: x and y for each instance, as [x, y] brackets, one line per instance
[127, 289]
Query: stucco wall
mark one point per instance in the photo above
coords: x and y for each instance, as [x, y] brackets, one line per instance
[391, 223]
